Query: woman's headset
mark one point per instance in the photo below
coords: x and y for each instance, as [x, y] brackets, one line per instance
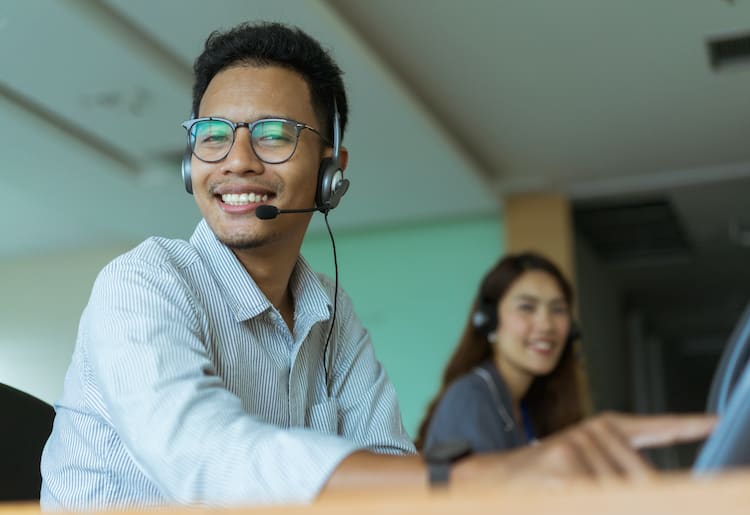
[484, 320]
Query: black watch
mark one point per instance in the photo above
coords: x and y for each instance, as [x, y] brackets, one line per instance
[441, 456]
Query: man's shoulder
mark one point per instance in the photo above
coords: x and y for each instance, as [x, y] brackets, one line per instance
[159, 252]
[156, 264]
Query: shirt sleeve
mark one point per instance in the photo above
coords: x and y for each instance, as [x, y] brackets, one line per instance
[369, 413]
[186, 432]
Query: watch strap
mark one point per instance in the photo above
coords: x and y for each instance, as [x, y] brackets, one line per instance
[439, 473]
[440, 458]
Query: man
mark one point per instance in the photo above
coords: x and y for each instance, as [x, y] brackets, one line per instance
[223, 370]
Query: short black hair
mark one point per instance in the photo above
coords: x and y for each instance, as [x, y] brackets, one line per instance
[275, 44]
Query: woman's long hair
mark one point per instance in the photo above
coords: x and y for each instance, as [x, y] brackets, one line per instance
[553, 400]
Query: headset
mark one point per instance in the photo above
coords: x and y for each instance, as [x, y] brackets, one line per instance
[484, 320]
[331, 183]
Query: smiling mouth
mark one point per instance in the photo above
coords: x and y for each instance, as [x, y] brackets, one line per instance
[541, 346]
[243, 199]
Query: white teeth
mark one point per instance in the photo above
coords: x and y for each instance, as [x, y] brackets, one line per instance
[542, 345]
[241, 199]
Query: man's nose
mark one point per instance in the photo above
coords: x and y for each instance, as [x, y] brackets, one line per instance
[241, 157]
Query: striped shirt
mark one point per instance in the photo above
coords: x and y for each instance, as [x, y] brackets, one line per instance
[187, 386]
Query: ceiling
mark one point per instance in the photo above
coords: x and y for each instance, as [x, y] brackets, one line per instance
[454, 105]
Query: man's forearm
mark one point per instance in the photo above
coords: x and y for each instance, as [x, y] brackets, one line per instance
[366, 470]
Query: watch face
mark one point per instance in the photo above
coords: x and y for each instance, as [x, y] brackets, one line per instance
[448, 451]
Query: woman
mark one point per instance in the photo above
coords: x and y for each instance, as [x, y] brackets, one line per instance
[512, 378]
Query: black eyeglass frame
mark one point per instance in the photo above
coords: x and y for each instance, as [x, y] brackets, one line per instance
[298, 126]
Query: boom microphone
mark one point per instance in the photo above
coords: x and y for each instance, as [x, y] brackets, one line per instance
[268, 212]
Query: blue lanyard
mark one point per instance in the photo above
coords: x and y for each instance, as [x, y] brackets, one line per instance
[528, 428]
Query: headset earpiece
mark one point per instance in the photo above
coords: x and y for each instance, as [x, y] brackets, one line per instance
[484, 318]
[187, 157]
[331, 183]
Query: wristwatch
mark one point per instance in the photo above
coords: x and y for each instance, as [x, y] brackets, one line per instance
[441, 456]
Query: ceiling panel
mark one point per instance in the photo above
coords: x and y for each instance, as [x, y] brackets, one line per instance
[543, 93]
[98, 100]
[98, 79]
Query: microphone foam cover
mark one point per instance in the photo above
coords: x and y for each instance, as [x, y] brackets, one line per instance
[266, 212]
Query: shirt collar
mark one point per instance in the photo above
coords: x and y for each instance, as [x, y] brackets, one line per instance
[311, 296]
[240, 291]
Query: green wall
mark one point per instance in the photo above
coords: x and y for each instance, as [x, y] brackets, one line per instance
[412, 286]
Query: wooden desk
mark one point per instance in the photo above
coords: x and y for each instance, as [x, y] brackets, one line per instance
[673, 495]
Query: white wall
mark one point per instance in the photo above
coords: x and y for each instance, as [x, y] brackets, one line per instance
[41, 302]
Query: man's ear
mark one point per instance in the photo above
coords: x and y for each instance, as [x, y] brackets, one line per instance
[343, 157]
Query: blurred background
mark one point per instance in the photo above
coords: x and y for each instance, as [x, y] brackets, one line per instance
[614, 136]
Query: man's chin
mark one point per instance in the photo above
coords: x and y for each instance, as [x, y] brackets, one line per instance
[239, 236]
[244, 242]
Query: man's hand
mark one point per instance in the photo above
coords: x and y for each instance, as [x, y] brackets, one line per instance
[603, 447]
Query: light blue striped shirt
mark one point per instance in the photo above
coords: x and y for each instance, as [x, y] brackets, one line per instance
[186, 386]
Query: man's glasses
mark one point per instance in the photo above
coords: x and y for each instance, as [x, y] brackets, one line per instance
[273, 140]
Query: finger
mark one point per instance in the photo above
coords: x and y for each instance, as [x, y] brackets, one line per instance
[616, 449]
[661, 430]
[554, 461]
[591, 453]
[567, 461]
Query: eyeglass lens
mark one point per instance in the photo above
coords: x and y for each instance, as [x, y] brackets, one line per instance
[273, 141]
